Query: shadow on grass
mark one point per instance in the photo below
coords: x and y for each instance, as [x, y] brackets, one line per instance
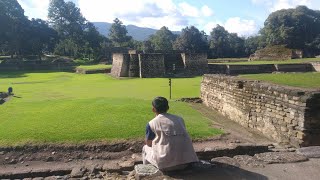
[22, 74]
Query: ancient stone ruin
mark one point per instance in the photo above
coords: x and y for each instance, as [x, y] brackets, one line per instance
[286, 114]
[151, 65]
[276, 53]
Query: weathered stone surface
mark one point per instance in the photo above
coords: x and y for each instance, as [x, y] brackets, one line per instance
[127, 165]
[250, 161]
[149, 65]
[279, 112]
[225, 161]
[148, 170]
[111, 166]
[78, 172]
[280, 157]
[310, 152]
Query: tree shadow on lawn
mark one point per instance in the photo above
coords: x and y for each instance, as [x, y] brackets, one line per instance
[22, 74]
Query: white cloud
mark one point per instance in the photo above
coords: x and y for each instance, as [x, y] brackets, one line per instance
[188, 10]
[210, 25]
[285, 4]
[145, 13]
[35, 8]
[242, 27]
[274, 5]
[206, 11]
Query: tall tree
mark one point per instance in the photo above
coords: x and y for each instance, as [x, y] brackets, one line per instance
[191, 40]
[94, 41]
[66, 19]
[219, 42]
[292, 27]
[78, 37]
[12, 26]
[41, 37]
[118, 34]
[163, 39]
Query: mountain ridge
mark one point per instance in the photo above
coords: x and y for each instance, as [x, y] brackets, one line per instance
[137, 33]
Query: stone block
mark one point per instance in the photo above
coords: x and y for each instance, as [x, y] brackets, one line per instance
[300, 135]
[146, 171]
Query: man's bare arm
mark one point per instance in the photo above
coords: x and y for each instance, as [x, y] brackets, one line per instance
[148, 142]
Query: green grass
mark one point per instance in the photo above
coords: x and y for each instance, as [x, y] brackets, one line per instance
[292, 61]
[95, 67]
[305, 80]
[61, 107]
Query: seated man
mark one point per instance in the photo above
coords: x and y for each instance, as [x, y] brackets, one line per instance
[168, 145]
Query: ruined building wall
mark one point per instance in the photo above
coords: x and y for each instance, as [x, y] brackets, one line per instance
[120, 65]
[195, 64]
[287, 115]
[134, 65]
[151, 65]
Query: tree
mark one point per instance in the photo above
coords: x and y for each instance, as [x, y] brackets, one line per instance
[12, 26]
[163, 39]
[252, 44]
[78, 37]
[41, 37]
[93, 40]
[292, 27]
[224, 44]
[66, 19]
[118, 34]
[219, 43]
[191, 40]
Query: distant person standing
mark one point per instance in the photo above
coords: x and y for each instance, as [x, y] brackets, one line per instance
[168, 145]
[10, 90]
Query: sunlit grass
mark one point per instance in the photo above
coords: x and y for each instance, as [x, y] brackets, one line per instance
[61, 107]
[305, 80]
[95, 67]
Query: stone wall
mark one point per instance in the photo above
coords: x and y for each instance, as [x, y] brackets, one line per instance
[294, 67]
[134, 66]
[195, 64]
[151, 65]
[285, 114]
[316, 66]
[120, 65]
[258, 69]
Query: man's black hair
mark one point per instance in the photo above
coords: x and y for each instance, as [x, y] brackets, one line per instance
[160, 104]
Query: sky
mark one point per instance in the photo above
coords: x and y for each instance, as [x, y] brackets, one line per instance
[245, 17]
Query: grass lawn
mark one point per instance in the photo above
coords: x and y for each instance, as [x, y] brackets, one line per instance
[292, 61]
[61, 107]
[305, 80]
[95, 67]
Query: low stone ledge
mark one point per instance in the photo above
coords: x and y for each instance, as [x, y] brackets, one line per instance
[232, 151]
[92, 71]
[310, 152]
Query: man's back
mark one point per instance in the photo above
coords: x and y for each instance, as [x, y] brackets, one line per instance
[172, 145]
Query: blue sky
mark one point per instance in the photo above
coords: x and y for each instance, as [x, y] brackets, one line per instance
[244, 17]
